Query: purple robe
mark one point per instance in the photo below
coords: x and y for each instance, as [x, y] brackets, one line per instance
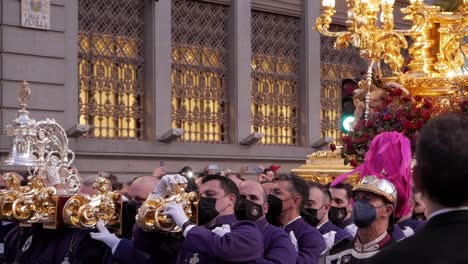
[52, 246]
[278, 246]
[345, 223]
[244, 244]
[410, 225]
[340, 236]
[148, 248]
[309, 241]
[397, 233]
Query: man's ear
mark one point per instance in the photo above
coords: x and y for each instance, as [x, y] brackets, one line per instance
[389, 209]
[297, 201]
[265, 207]
[232, 200]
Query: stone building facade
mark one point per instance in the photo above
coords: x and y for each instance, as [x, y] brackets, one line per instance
[219, 69]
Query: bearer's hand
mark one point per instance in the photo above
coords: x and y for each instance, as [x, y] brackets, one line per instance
[105, 236]
[177, 213]
[164, 186]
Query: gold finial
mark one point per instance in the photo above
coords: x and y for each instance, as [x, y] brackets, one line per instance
[24, 95]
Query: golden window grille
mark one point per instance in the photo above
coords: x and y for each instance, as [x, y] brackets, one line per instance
[110, 58]
[275, 77]
[199, 70]
[335, 65]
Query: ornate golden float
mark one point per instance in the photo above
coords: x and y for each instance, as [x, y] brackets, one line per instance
[437, 43]
[323, 167]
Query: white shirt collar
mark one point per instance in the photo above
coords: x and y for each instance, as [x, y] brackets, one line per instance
[292, 221]
[319, 226]
[447, 210]
[371, 246]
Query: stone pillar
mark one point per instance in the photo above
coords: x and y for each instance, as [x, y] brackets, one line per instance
[239, 52]
[310, 76]
[157, 69]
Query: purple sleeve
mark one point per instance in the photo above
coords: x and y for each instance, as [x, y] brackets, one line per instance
[244, 243]
[311, 245]
[281, 251]
[127, 253]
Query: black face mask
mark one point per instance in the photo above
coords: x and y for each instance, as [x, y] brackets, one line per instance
[248, 210]
[274, 210]
[337, 214]
[310, 216]
[206, 210]
[419, 216]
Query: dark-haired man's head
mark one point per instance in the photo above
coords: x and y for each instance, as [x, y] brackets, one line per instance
[267, 175]
[219, 196]
[291, 192]
[441, 155]
[318, 204]
[341, 203]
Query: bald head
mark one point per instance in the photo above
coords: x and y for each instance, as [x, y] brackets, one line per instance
[253, 191]
[141, 188]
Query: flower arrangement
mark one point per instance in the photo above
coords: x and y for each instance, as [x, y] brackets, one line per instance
[399, 112]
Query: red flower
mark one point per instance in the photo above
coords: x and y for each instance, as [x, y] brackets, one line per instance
[397, 92]
[353, 163]
[370, 124]
[426, 114]
[332, 147]
[427, 104]
[347, 140]
[406, 99]
[408, 125]
[419, 124]
[418, 98]
[387, 117]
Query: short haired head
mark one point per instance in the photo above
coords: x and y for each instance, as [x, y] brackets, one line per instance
[441, 156]
[348, 188]
[254, 192]
[223, 189]
[226, 184]
[323, 189]
[297, 186]
[141, 187]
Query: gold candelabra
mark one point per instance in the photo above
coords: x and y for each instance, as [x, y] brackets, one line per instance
[437, 51]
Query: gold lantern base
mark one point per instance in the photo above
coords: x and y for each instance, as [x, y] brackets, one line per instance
[323, 167]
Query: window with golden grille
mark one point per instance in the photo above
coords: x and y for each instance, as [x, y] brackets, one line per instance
[275, 77]
[199, 70]
[110, 57]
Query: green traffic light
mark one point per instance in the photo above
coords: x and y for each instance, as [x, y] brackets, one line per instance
[347, 123]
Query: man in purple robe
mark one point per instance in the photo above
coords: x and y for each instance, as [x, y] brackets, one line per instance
[289, 196]
[145, 247]
[219, 237]
[254, 206]
[317, 209]
[37, 245]
[341, 207]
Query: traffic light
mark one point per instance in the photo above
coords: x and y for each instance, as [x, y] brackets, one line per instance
[348, 86]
